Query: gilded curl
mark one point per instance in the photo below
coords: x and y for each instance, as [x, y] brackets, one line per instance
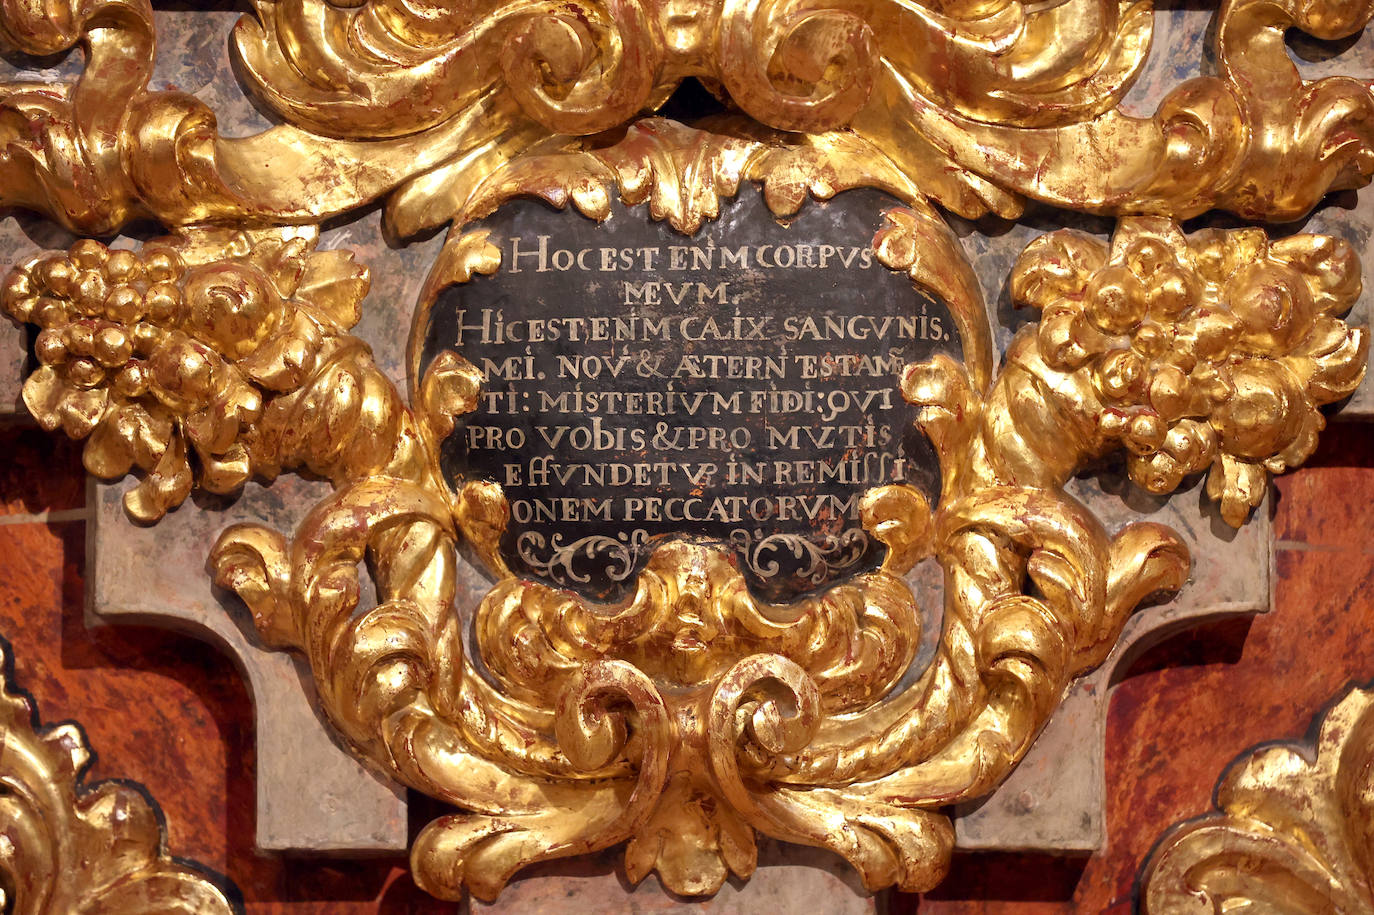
[390, 69]
[691, 716]
[983, 106]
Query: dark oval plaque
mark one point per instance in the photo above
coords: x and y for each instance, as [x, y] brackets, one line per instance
[739, 385]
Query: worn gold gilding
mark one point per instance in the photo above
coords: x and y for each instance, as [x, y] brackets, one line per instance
[1291, 834]
[690, 717]
[67, 845]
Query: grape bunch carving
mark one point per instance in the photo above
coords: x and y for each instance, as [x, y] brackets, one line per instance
[167, 359]
[1209, 352]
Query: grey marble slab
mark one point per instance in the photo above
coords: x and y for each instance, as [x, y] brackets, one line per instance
[312, 795]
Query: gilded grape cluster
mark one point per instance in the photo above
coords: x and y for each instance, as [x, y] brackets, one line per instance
[163, 359]
[1210, 351]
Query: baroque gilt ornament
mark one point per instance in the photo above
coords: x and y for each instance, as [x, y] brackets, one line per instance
[691, 715]
[73, 846]
[1291, 834]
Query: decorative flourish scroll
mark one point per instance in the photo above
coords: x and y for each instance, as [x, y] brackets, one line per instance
[68, 846]
[690, 716]
[389, 69]
[981, 105]
[1291, 835]
[820, 559]
[558, 560]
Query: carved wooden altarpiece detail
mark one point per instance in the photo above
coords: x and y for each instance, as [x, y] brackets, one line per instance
[690, 714]
[73, 846]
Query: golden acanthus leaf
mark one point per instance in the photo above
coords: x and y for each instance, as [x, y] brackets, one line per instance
[1291, 835]
[71, 846]
[982, 105]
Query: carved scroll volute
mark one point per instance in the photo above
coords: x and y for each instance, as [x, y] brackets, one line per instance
[545, 58]
[69, 846]
[795, 66]
[575, 68]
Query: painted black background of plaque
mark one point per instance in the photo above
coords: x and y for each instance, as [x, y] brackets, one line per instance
[606, 571]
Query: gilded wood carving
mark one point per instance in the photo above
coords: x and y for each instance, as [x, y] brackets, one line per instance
[70, 846]
[691, 716]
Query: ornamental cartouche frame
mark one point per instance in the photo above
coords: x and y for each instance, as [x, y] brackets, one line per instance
[222, 352]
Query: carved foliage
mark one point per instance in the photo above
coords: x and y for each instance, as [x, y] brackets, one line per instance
[66, 846]
[982, 105]
[1292, 833]
[691, 716]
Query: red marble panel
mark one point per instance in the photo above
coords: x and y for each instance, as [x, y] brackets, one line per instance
[39, 472]
[171, 713]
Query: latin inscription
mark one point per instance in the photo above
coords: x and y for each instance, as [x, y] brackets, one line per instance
[739, 385]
